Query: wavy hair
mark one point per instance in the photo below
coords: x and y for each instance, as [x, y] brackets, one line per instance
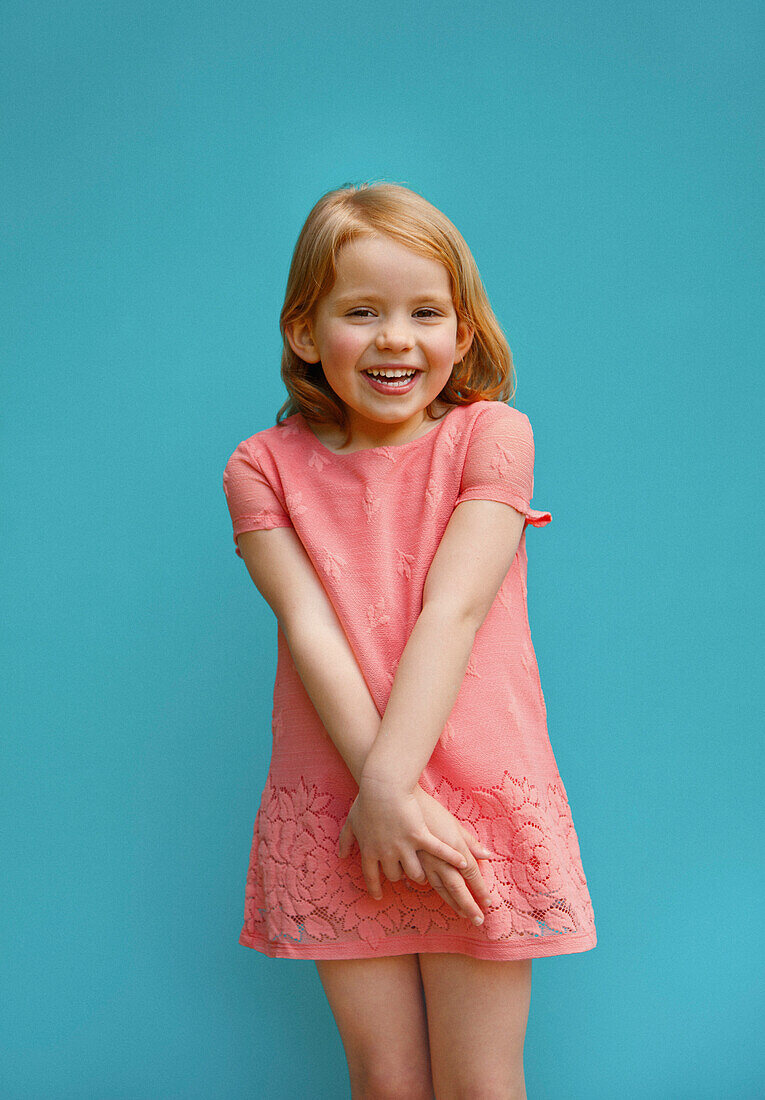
[352, 211]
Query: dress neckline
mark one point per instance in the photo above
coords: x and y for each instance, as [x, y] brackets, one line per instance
[374, 450]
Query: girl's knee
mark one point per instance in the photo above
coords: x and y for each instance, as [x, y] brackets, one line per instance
[380, 1082]
[485, 1085]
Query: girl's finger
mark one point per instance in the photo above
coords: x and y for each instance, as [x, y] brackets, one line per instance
[443, 877]
[466, 866]
[391, 868]
[372, 877]
[398, 872]
[443, 851]
[473, 878]
[479, 850]
[436, 882]
[413, 868]
[441, 890]
[460, 898]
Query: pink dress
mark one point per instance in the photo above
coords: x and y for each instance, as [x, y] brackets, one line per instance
[371, 522]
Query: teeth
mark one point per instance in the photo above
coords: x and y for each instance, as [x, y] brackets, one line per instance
[391, 373]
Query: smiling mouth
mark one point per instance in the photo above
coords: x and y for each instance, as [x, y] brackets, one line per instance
[392, 384]
[405, 374]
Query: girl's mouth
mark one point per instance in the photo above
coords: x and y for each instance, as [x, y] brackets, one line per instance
[391, 385]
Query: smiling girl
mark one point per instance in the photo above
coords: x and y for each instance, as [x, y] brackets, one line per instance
[414, 836]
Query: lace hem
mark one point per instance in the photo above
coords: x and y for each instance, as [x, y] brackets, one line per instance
[540, 947]
[300, 895]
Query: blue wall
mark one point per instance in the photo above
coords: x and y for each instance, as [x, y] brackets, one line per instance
[604, 164]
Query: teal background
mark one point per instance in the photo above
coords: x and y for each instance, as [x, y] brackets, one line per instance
[158, 160]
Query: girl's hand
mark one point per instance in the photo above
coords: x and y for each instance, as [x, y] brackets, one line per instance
[452, 885]
[390, 827]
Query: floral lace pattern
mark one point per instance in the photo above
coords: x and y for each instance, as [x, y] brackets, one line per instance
[300, 891]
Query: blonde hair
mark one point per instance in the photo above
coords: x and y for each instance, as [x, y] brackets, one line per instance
[352, 211]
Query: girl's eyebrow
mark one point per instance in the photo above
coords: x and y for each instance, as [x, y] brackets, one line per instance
[346, 299]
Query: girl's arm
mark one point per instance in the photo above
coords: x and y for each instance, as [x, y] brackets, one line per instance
[284, 574]
[473, 557]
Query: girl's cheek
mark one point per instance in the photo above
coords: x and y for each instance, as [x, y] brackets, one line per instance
[345, 345]
[443, 345]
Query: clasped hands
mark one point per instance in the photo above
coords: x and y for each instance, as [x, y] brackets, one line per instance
[402, 831]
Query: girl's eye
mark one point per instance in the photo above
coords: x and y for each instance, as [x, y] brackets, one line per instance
[362, 310]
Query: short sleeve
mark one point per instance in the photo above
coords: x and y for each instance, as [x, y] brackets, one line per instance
[252, 502]
[499, 464]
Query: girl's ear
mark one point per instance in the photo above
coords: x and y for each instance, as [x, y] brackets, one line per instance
[465, 336]
[301, 340]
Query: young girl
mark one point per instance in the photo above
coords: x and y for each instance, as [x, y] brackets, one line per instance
[414, 836]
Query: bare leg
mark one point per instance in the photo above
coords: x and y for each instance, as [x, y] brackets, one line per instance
[477, 1013]
[379, 1010]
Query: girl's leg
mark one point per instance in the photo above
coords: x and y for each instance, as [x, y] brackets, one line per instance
[379, 1010]
[477, 1014]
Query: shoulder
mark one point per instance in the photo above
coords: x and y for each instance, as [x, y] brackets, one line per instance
[498, 434]
[486, 416]
[500, 409]
[268, 442]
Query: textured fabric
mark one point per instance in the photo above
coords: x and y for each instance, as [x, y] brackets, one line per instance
[371, 522]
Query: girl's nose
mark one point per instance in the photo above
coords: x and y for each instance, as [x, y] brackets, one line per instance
[394, 336]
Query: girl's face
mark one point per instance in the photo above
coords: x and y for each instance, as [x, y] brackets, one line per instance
[390, 308]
